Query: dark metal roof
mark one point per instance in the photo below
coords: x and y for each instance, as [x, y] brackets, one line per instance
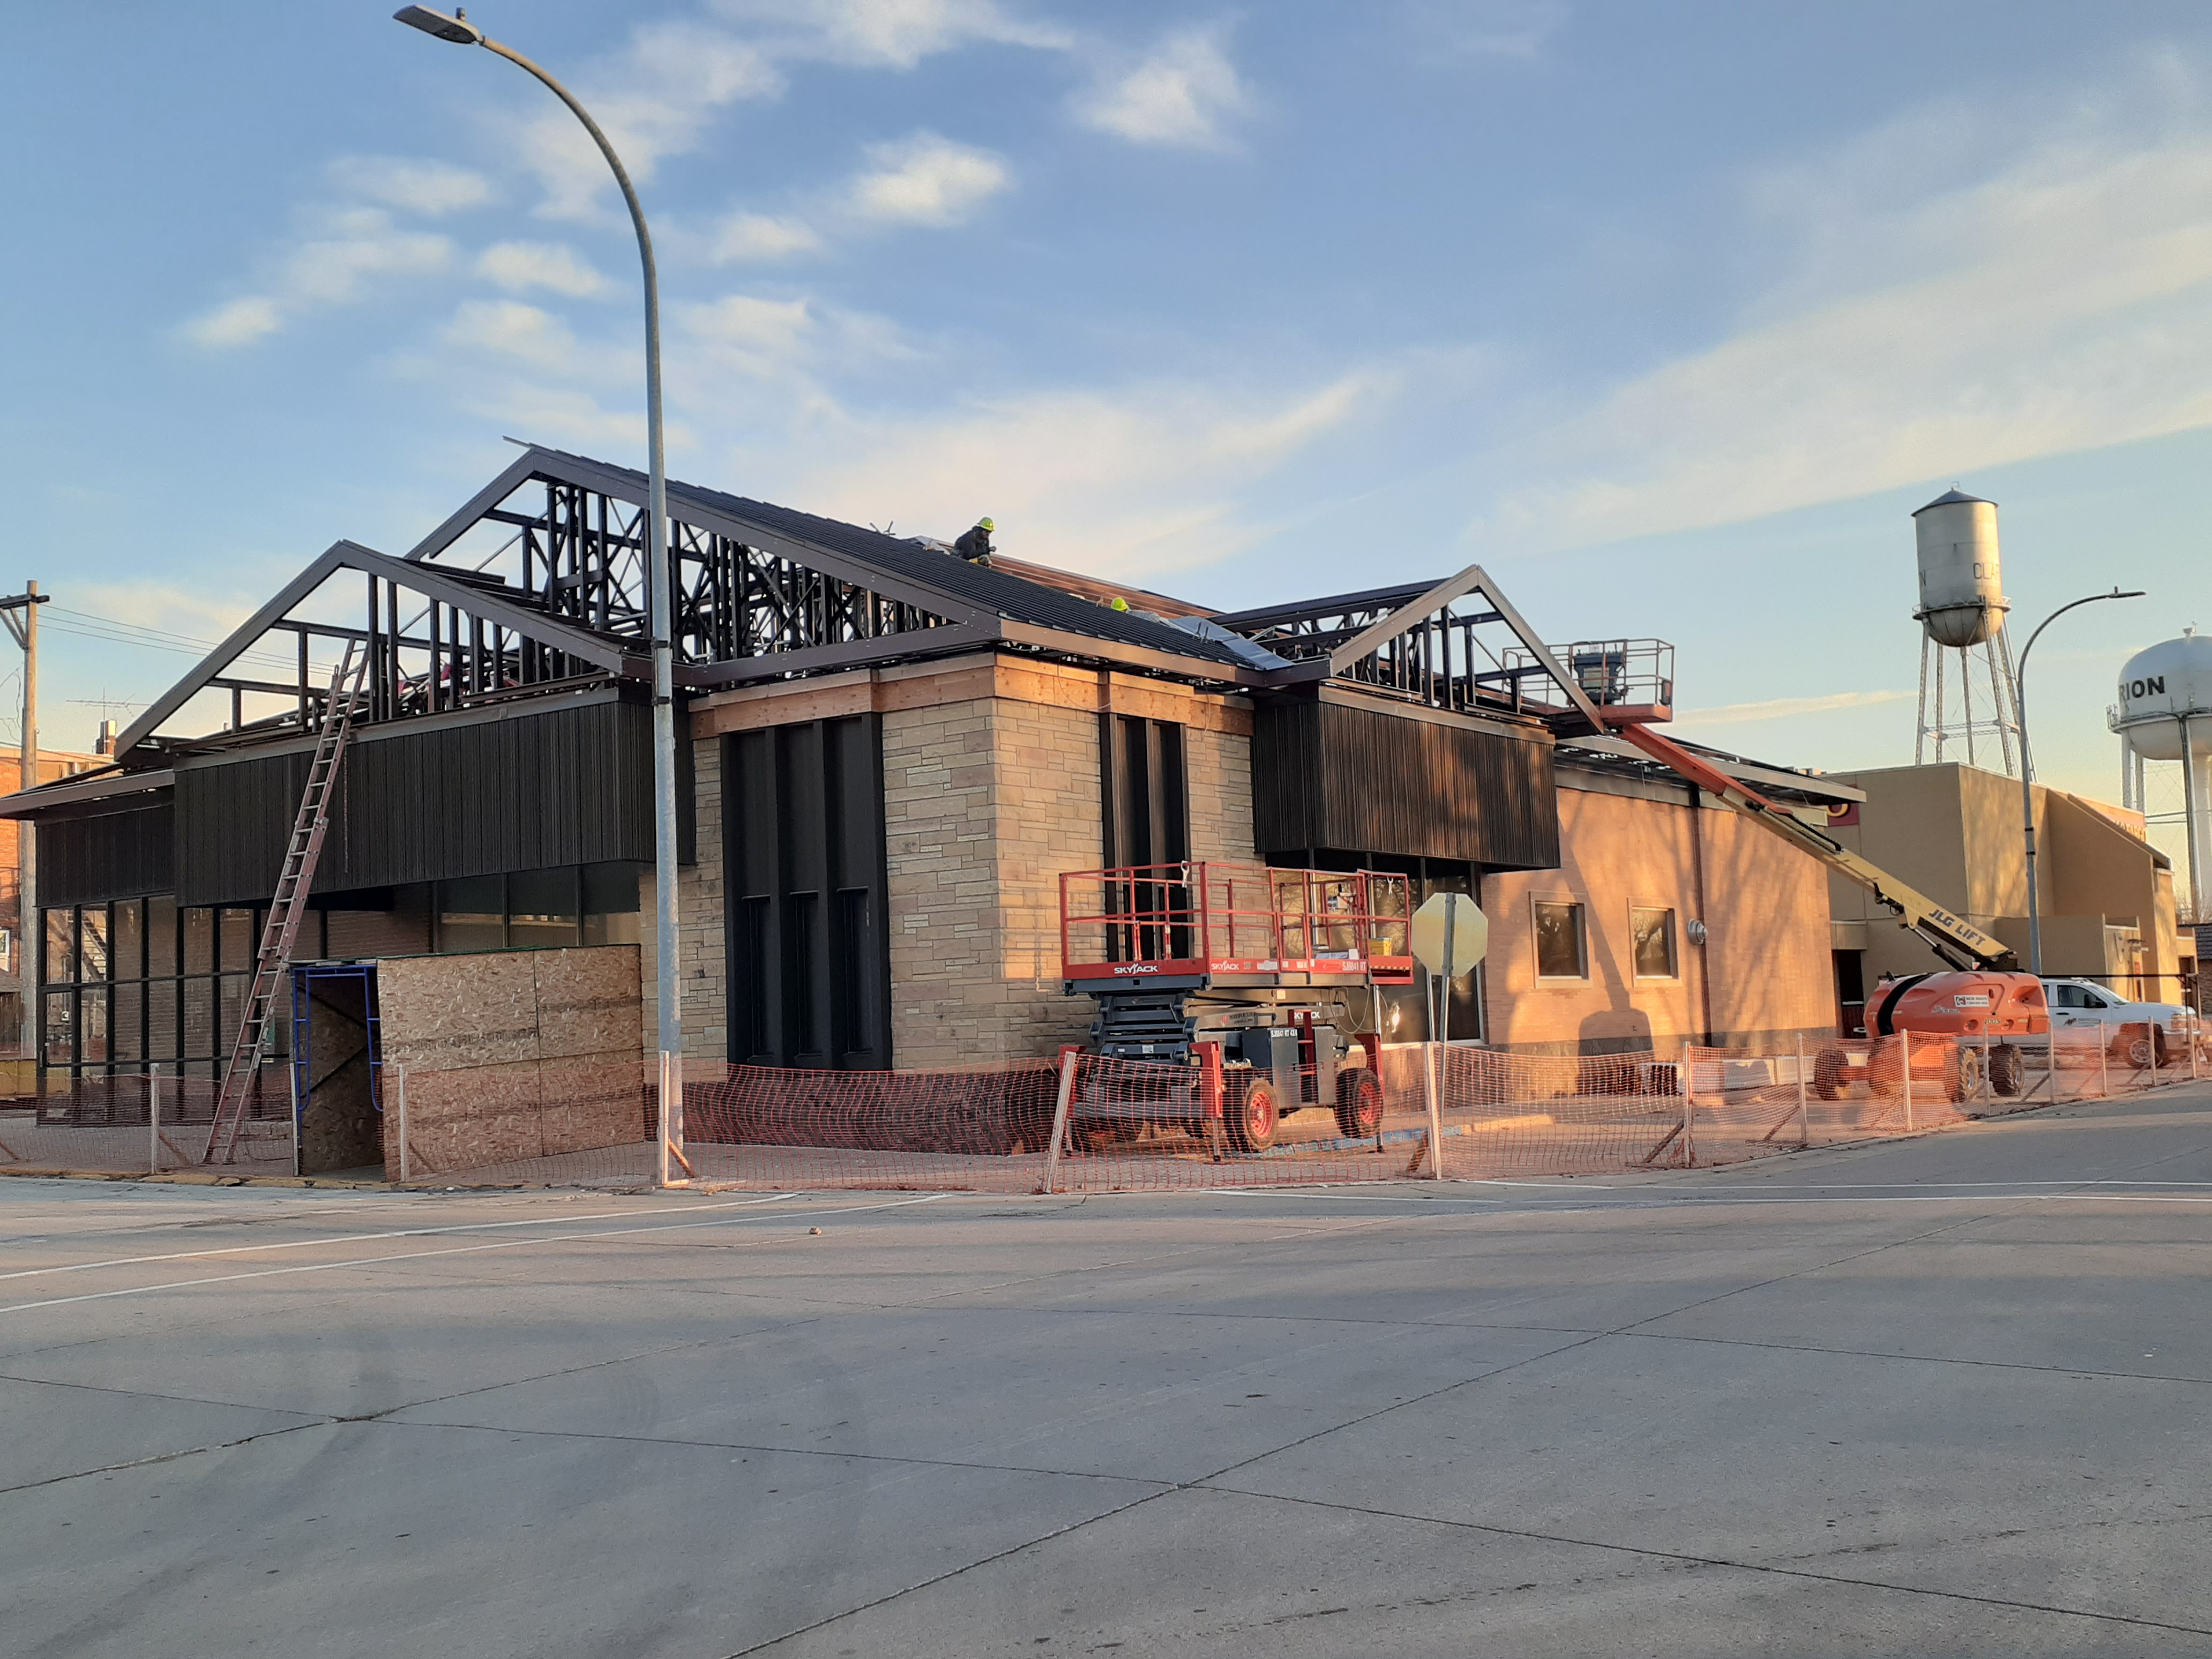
[1330, 605]
[975, 586]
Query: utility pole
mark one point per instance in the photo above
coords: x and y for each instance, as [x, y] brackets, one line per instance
[20, 612]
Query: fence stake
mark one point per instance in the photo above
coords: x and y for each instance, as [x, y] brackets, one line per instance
[2050, 1044]
[2195, 1032]
[661, 1092]
[153, 1120]
[398, 1073]
[1068, 1059]
[1905, 1049]
[2104, 1065]
[1435, 1112]
[676, 1118]
[292, 1094]
[1804, 1112]
[1689, 1106]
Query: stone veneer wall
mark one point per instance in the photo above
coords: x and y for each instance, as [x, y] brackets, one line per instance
[513, 1054]
[991, 788]
[701, 950]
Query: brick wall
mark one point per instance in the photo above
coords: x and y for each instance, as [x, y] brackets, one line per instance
[1764, 975]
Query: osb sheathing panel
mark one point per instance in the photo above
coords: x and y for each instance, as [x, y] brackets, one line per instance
[445, 1013]
[587, 1001]
[513, 1053]
[464, 1119]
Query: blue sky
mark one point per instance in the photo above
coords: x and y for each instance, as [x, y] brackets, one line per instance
[1669, 314]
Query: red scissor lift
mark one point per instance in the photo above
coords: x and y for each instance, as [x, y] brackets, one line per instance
[1259, 982]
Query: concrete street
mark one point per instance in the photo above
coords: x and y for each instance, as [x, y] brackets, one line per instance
[1940, 1396]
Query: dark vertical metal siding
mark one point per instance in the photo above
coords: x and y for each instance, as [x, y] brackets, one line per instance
[570, 786]
[1145, 791]
[809, 908]
[1326, 775]
[114, 855]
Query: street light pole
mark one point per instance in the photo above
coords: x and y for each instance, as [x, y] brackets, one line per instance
[2027, 770]
[669, 1005]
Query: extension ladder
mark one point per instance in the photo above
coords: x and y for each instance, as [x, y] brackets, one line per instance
[286, 907]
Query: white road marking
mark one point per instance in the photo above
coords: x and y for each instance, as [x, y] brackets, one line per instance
[1655, 1198]
[404, 1232]
[418, 1256]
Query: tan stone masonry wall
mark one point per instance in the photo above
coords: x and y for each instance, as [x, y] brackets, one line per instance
[701, 954]
[991, 790]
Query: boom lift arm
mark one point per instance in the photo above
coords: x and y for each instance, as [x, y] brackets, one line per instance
[1960, 944]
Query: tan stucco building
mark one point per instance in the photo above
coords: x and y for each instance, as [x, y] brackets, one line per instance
[1954, 832]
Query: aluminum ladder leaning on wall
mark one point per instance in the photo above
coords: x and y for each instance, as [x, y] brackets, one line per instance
[286, 907]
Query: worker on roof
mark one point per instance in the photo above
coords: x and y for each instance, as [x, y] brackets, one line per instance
[975, 546]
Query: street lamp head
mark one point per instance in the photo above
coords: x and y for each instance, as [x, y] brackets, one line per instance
[2132, 593]
[456, 28]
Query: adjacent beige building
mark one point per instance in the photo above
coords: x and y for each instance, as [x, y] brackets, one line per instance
[1954, 832]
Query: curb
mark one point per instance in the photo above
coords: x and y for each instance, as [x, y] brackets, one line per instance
[193, 1178]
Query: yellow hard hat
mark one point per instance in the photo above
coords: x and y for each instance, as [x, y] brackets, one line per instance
[1120, 603]
[985, 524]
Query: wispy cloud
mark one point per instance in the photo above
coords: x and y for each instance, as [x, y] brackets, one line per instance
[926, 180]
[670, 84]
[2058, 300]
[426, 187]
[554, 266]
[1776, 709]
[235, 323]
[1185, 92]
[888, 34]
[347, 254]
[1139, 479]
[1487, 28]
[759, 238]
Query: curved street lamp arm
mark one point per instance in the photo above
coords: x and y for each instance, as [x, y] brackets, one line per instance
[2021, 667]
[2027, 770]
[659, 577]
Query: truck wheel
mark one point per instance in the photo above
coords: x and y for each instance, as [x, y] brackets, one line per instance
[1828, 1075]
[2007, 1072]
[1252, 1119]
[2142, 1048]
[1359, 1103]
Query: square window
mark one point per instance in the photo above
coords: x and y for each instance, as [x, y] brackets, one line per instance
[472, 914]
[1652, 930]
[542, 908]
[1562, 942]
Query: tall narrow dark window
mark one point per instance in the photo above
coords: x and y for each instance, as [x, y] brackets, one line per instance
[1144, 782]
[801, 979]
[809, 917]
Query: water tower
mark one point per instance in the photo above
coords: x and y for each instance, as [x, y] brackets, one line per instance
[1965, 655]
[2165, 714]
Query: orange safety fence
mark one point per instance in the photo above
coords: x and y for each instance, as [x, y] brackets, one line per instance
[1092, 1124]
[136, 1124]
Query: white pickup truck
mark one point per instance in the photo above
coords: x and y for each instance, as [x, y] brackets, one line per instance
[2079, 1004]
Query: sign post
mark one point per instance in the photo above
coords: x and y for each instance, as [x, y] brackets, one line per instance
[1450, 934]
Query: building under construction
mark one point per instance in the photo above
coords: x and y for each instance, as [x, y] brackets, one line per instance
[893, 754]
